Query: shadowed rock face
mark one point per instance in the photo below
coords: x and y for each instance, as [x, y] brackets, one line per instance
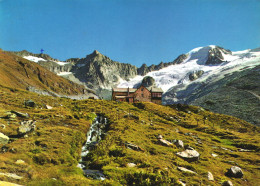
[54, 67]
[97, 70]
[215, 55]
[195, 75]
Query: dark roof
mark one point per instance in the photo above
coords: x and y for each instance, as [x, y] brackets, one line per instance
[152, 89]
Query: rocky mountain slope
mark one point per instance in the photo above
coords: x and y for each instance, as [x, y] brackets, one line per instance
[237, 94]
[97, 70]
[41, 143]
[188, 79]
[17, 72]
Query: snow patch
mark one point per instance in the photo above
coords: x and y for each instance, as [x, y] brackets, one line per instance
[64, 73]
[61, 63]
[34, 59]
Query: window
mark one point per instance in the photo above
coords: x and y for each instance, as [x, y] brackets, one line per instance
[142, 89]
[157, 95]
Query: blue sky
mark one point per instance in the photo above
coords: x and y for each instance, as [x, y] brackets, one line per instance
[129, 31]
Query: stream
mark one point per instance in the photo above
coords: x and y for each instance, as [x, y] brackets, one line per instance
[94, 135]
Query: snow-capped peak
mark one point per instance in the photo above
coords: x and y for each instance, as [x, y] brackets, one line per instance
[198, 49]
[208, 63]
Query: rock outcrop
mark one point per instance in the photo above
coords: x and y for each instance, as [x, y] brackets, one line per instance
[195, 75]
[215, 55]
[55, 67]
[26, 127]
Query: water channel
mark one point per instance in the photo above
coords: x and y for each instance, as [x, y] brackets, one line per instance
[94, 135]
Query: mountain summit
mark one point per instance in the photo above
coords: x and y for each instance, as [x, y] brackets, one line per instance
[209, 55]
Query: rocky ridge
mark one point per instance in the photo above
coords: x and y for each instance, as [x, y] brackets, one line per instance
[96, 70]
[18, 72]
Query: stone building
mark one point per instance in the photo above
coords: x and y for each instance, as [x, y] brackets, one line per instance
[140, 94]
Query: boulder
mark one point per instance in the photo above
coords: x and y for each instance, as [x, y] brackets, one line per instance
[227, 183]
[214, 155]
[29, 103]
[163, 141]
[210, 176]
[235, 172]
[179, 143]
[26, 126]
[19, 162]
[131, 165]
[48, 107]
[189, 154]
[186, 170]
[3, 139]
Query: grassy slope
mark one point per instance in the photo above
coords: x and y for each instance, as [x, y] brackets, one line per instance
[52, 151]
[18, 72]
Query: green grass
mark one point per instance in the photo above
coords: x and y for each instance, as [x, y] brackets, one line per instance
[52, 152]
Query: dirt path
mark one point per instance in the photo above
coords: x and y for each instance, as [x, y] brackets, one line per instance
[253, 94]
